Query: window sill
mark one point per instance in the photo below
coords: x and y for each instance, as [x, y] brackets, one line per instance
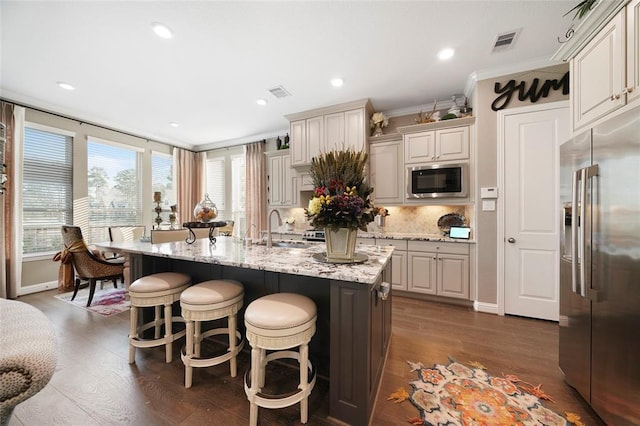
[36, 257]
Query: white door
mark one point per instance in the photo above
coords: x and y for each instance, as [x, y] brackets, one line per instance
[531, 220]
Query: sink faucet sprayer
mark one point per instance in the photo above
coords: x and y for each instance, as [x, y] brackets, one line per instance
[269, 241]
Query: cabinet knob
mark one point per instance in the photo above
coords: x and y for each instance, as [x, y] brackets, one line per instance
[613, 98]
[434, 257]
[627, 90]
[617, 96]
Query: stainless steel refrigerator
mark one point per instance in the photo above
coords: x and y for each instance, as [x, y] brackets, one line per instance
[600, 267]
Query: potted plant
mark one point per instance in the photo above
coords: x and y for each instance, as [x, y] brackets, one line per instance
[341, 203]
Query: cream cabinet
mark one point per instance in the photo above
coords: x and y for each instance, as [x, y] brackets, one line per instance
[386, 165]
[437, 145]
[605, 73]
[281, 181]
[632, 90]
[399, 262]
[298, 142]
[321, 130]
[438, 268]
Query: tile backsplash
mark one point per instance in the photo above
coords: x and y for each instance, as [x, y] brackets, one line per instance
[401, 219]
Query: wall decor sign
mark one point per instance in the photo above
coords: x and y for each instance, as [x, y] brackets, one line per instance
[509, 89]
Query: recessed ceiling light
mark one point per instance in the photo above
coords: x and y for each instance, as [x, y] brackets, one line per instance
[337, 82]
[161, 30]
[65, 86]
[173, 124]
[261, 102]
[446, 53]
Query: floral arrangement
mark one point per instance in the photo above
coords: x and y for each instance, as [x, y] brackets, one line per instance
[289, 220]
[381, 211]
[379, 118]
[341, 195]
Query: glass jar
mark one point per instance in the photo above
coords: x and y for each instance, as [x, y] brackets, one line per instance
[206, 210]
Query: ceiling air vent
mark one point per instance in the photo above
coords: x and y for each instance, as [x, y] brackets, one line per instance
[505, 40]
[279, 92]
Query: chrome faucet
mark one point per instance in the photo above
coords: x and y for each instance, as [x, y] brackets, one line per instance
[269, 240]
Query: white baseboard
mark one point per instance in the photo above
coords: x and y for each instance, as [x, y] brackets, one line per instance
[490, 308]
[37, 288]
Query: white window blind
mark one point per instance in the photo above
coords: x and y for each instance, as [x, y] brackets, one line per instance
[239, 193]
[216, 184]
[162, 177]
[114, 188]
[47, 201]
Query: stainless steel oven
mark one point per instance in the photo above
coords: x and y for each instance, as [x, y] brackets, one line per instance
[438, 180]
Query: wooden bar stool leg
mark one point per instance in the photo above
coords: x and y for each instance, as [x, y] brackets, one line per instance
[188, 380]
[133, 332]
[168, 331]
[233, 324]
[255, 373]
[157, 321]
[304, 381]
[197, 340]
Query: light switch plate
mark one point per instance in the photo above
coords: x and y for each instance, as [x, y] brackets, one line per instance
[488, 205]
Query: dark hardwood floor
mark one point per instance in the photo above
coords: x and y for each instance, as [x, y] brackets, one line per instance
[95, 385]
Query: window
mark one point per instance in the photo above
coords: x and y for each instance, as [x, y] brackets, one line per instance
[47, 201]
[226, 186]
[162, 178]
[216, 184]
[113, 188]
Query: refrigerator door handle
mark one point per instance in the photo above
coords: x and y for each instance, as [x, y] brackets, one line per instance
[575, 220]
[583, 232]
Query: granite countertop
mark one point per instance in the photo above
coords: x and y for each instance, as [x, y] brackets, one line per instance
[385, 236]
[229, 251]
[411, 237]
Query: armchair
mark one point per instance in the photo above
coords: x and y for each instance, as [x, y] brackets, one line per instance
[86, 264]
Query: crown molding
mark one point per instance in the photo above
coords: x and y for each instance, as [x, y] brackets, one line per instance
[599, 16]
[240, 141]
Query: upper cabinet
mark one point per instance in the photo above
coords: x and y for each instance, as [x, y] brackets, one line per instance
[321, 130]
[282, 185]
[605, 72]
[599, 74]
[436, 142]
[633, 51]
[387, 172]
[437, 145]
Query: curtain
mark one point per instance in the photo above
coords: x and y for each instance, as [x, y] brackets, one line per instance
[256, 188]
[11, 250]
[190, 169]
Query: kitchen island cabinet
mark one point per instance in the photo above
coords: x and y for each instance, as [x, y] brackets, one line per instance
[354, 304]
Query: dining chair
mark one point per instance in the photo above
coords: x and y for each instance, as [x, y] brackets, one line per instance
[88, 266]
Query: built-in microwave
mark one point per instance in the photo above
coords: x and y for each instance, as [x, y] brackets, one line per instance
[438, 180]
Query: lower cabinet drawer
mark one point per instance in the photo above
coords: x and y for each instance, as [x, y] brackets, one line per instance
[439, 247]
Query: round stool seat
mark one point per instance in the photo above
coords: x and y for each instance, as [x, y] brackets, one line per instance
[280, 314]
[162, 281]
[220, 293]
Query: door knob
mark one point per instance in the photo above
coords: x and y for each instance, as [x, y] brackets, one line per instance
[511, 240]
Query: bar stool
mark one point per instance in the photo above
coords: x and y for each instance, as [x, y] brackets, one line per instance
[276, 322]
[156, 290]
[207, 301]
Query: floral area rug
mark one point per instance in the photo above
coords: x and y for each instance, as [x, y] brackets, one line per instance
[106, 302]
[455, 394]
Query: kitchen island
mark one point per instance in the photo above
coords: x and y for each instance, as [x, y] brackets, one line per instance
[354, 309]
